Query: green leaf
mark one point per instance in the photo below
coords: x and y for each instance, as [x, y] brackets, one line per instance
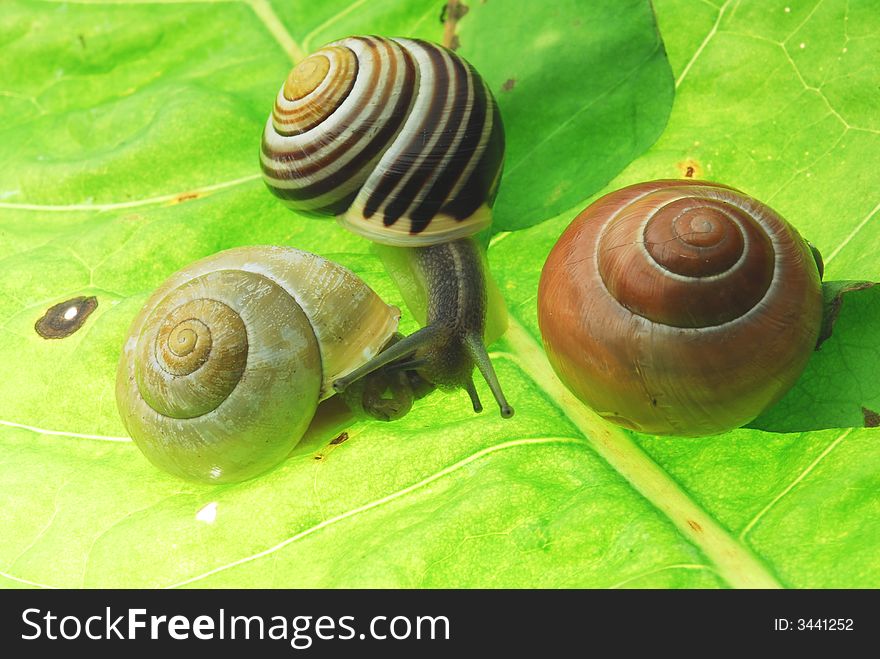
[832, 294]
[840, 387]
[803, 503]
[588, 98]
[130, 134]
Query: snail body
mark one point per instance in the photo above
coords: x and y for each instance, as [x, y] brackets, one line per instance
[680, 307]
[402, 141]
[224, 366]
[446, 350]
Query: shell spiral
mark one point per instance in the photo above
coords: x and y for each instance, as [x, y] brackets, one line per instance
[224, 366]
[680, 307]
[399, 138]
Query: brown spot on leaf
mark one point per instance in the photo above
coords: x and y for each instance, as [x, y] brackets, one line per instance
[185, 196]
[460, 10]
[509, 84]
[341, 437]
[319, 457]
[696, 527]
[452, 13]
[690, 168]
[872, 419]
[65, 318]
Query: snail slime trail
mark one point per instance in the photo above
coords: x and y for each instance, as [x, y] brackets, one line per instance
[402, 141]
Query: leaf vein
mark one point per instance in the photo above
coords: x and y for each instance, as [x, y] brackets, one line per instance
[273, 24]
[853, 233]
[27, 582]
[62, 433]
[792, 485]
[335, 18]
[702, 45]
[128, 204]
[680, 566]
[379, 502]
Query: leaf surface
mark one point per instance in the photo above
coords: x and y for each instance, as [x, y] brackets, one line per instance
[130, 133]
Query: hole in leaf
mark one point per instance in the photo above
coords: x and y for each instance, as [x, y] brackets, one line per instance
[65, 318]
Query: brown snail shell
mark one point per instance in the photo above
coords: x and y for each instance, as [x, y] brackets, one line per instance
[680, 307]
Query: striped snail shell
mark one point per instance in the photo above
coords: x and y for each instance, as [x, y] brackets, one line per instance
[224, 366]
[680, 307]
[403, 142]
[399, 138]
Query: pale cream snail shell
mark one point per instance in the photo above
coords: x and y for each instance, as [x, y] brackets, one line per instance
[224, 366]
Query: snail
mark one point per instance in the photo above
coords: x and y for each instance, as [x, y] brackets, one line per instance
[225, 364]
[402, 141]
[680, 307]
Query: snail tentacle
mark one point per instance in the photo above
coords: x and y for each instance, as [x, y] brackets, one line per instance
[406, 347]
[478, 353]
[446, 351]
[475, 398]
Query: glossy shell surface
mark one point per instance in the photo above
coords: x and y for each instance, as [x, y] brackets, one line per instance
[680, 307]
[224, 366]
[400, 139]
